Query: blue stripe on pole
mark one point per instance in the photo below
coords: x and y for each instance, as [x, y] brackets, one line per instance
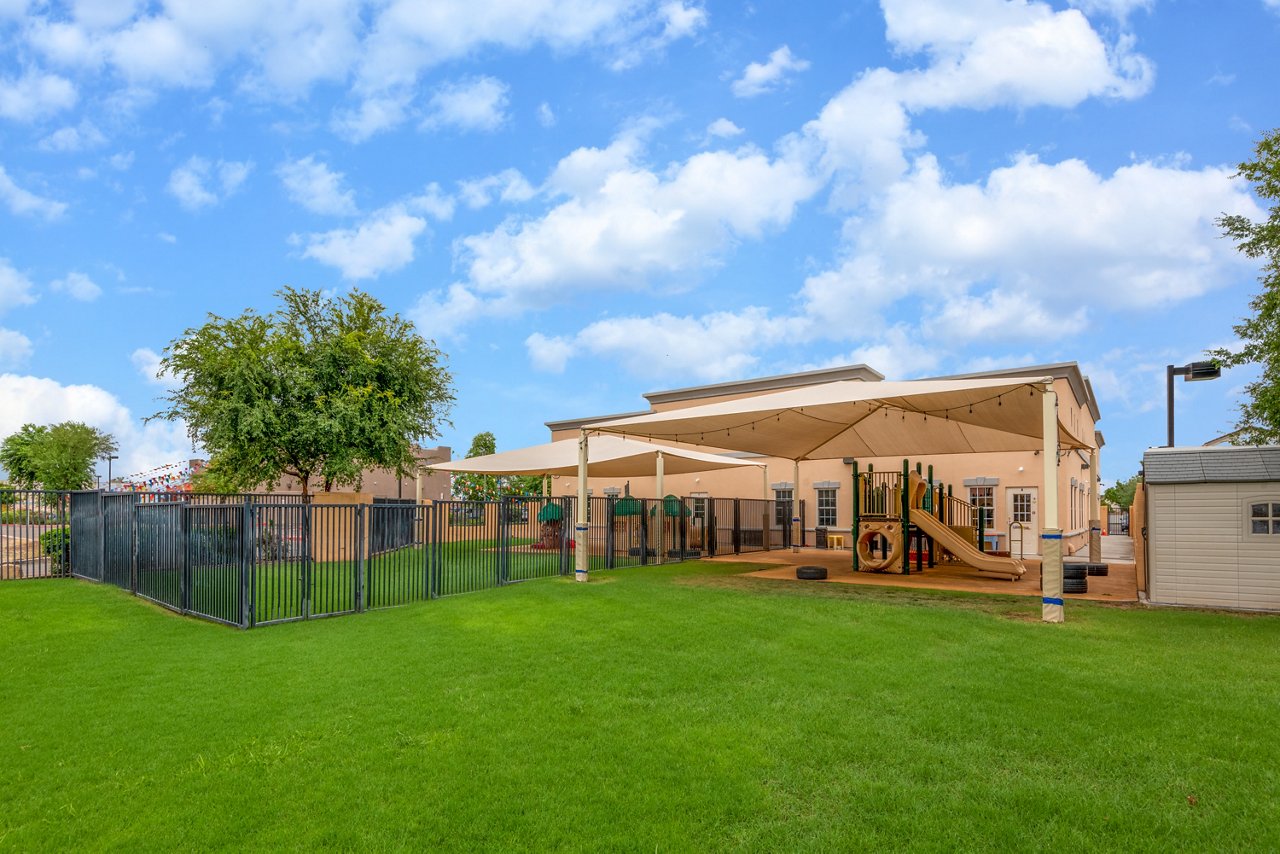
[581, 527]
[1050, 536]
[1049, 600]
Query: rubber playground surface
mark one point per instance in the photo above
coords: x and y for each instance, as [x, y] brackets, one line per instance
[1119, 585]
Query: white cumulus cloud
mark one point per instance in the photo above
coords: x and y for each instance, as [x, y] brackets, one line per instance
[316, 187]
[40, 400]
[78, 286]
[476, 104]
[383, 243]
[507, 186]
[761, 77]
[623, 223]
[74, 138]
[35, 96]
[15, 288]
[723, 129]
[25, 203]
[201, 183]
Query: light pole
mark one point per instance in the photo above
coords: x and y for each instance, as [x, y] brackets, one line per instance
[109, 458]
[1193, 372]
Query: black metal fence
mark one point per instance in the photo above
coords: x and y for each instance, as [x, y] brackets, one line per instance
[251, 563]
[34, 540]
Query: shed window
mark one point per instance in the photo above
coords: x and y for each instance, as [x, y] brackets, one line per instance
[1264, 517]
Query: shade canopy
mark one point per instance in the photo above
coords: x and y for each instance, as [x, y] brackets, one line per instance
[610, 456]
[863, 419]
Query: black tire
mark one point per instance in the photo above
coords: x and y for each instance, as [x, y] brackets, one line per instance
[1073, 571]
[811, 573]
[1098, 569]
[1075, 585]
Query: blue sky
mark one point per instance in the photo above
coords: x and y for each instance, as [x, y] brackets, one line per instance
[584, 201]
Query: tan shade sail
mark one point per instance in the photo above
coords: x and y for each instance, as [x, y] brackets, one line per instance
[862, 419]
[610, 456]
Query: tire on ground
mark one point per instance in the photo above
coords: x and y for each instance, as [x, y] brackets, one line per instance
[811, 573]
[1075, 585]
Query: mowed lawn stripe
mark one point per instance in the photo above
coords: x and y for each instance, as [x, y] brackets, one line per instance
[656, 708]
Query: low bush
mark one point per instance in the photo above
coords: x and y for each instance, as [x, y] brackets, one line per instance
[57, 545]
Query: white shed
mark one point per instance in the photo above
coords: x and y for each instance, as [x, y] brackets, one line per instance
[1213, 526]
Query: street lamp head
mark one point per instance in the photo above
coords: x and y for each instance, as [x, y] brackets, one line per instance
[1198, 371]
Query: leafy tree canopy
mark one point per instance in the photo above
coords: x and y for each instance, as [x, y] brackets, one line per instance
[1121, 495]
[1259, 422]
[320, 389]
[483, 487]
[58, 456]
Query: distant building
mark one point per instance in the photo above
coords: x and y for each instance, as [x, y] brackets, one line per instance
[1006, 487]
[383, 483]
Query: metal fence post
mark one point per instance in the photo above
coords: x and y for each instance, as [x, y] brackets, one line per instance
[133, 556]
[185, 592]
[610, 546]
[504, 541]
[248, 550]
[304, 575]
[361, 542]
[737, 526]
[429, 549]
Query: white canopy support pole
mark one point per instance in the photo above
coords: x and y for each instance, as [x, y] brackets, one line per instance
[1095, 522]
[795, 508]
[1051, 610]
[580, 529]
[662, 506]
[764, 476]
[417, 485]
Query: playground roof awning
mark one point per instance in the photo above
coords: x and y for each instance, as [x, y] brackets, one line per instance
[610, 456]
[861, 419]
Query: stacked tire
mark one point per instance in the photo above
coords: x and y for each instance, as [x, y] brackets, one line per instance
[1075, 578]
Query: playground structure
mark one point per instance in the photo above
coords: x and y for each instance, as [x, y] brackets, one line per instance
[898, 516]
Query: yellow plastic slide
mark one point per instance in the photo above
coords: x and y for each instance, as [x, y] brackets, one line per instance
[960, 547]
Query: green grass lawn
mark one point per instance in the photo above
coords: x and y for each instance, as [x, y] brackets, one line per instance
[668, 708]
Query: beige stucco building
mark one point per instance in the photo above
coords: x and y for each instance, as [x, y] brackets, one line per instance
[383, 483]
[1008, 486]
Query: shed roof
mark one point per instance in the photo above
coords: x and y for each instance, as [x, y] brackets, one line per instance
[1217, 464]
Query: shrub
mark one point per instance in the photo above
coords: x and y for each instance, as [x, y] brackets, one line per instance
[57, 545]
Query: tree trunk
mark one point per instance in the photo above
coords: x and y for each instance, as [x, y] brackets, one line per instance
[305, 480]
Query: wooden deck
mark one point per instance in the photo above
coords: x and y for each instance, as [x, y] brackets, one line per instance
[1120, 585]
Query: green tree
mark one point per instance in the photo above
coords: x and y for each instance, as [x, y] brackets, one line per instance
[484, 487]
[320, 389]
[478, 487]
[1121, 495]
[1259, 422]
[60, 456]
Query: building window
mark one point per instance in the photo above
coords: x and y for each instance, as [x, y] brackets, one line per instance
[983, 499]
[826, 508]
[782, 509]
[1264, 517]
[699, 508]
